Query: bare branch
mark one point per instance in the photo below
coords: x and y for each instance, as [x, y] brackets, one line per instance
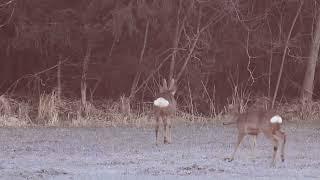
[151, 74]
[137, 76]
[34, 75]
[249, 60]
[6, 3]
[285, 52]
[9, 19]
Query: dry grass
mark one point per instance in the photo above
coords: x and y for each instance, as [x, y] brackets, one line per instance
[48, 109]
[297, 112]
[52, 111]
[14, 113]
[261, 102]
[240, 98]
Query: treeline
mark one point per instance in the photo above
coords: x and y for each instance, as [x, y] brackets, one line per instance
[106, 49]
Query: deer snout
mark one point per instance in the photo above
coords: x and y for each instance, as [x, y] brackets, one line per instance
[161, 102]
[276, 119]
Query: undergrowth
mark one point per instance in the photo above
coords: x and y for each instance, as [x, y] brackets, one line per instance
[49, 110]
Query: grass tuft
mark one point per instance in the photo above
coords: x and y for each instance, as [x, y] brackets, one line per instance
[13, 112]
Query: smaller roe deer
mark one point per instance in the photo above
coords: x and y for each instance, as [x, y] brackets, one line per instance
[255, 122]
[164, 108]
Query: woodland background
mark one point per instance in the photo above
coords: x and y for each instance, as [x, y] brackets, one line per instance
[66, 58]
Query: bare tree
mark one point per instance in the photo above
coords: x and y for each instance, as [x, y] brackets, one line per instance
[307, 89]
[85, 65]
[176, 40]
[138, 74]
[285, 53]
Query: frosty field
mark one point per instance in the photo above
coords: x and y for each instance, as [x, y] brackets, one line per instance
[197, 152]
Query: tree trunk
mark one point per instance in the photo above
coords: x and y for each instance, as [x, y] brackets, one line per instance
[7, 67]
[59, 79]
[285, 53]
[137, 76]
[84, 78]
[307, 88]
[175, 42]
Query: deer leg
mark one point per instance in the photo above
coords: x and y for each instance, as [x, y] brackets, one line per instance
[240, 138]
[281, 138]
[275, 150]
[157, 129]
[253, 148]
[283, 146]
[275, 143]
[169, 131]
[165, 129]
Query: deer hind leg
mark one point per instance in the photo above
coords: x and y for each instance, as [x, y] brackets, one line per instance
[275, 143]
[281, 138]
[275, 150]
[157, 128]
[253, 147]
[240, 138]
[169, 131]
[165, 129]
[283, 146]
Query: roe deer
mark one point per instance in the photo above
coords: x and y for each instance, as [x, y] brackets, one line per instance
[255, 122]
[164, 108]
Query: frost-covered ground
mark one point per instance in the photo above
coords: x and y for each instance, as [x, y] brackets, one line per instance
[197, 152]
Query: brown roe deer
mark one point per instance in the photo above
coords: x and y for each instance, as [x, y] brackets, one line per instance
[259, 121]
[165, 107]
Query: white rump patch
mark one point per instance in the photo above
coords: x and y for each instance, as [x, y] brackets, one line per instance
[161, 102]
[276, 119]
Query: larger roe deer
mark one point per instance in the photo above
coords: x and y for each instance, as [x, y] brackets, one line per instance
[165, 107]
[255, 122]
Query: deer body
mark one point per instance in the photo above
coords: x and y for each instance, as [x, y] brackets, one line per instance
[164, 109]
[256, 122]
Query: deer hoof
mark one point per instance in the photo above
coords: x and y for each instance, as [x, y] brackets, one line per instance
[228, 159]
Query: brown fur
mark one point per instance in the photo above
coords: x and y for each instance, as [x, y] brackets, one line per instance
[256, 122]
[166, 113]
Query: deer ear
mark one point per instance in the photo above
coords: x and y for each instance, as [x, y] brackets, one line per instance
[171, 84]
[164, 84]
[161, 89]
[173, 91]
[173, 87]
